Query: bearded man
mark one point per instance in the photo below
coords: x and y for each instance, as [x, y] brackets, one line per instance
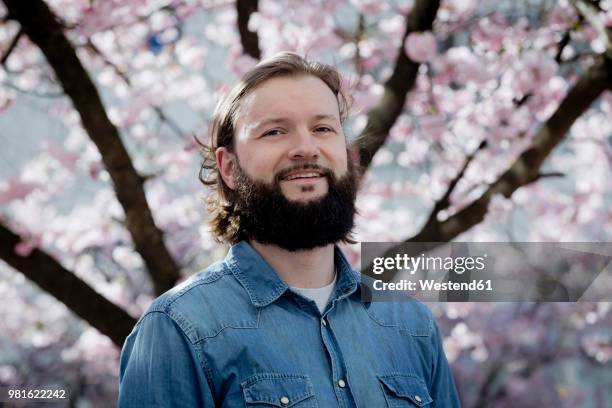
[281, 320]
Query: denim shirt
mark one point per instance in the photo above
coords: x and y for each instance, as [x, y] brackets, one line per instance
[234, 335]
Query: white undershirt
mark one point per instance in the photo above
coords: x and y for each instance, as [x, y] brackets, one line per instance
[319, 295]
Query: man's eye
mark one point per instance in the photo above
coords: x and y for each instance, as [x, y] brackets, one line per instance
[324, 129]
[272, 132]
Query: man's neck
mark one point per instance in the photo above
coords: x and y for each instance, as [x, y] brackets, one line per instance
[312, 268]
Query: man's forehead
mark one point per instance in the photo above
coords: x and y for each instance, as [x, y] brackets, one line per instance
[284, 97]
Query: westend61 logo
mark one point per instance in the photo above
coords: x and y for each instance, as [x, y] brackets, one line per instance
[487, 271]
[458, 265]
[412, 264]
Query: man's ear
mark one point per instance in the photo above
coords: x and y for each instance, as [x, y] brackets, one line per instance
[226, 162]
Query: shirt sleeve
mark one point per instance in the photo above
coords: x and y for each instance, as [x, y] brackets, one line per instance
[160, 368]
[443, 390]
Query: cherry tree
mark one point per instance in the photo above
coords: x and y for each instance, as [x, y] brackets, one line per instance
[472, 121]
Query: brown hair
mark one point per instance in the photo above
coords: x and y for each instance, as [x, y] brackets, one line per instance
[225, 221]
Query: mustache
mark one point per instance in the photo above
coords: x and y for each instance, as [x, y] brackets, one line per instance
[303, 166]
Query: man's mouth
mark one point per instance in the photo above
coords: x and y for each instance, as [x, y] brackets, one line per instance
[302, 175]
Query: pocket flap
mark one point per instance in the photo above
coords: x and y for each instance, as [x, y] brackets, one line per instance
[277, 389]
[407, 386]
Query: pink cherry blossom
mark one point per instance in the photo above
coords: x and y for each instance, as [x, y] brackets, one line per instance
[490, 32]
[64, 157]
[16, 189]
[460, 65]
[421, 47]
[534, 70]
[563, 15]
[25, 247]
[369, 7]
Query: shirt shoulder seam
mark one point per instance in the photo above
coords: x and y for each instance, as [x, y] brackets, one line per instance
[192, 345]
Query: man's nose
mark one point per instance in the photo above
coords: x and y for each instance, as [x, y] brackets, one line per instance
[304, 146]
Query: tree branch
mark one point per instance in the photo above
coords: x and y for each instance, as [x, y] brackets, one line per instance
[11, 47]
[444, 201]
[526, 168]
[382, 117]
[552, 174]
[590, 13]
[249, 39]
[565, 40]
[66, 287]
[169, 122]
[43, 28]
[355, 39]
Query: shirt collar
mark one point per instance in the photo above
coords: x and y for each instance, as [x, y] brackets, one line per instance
[264, 286]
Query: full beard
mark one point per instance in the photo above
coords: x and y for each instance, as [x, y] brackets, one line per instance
[268, 217]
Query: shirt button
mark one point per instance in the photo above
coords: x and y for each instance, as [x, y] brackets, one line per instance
[284, 400]
[417, 398]
[341, 383]
[324, 322]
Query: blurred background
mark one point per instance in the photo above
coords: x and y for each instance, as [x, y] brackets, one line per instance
[473, 120]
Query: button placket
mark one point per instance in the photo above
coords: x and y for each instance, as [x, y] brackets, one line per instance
[340, 386]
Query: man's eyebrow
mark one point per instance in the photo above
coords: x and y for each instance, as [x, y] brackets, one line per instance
[333, 118]
[281, 120]
[327, 117]
[271, 121]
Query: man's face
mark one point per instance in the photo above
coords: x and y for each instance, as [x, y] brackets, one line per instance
[294, 186]
[284, 123]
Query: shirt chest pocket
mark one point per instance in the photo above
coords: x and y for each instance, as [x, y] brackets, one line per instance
[279, 390]
[404, 390]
